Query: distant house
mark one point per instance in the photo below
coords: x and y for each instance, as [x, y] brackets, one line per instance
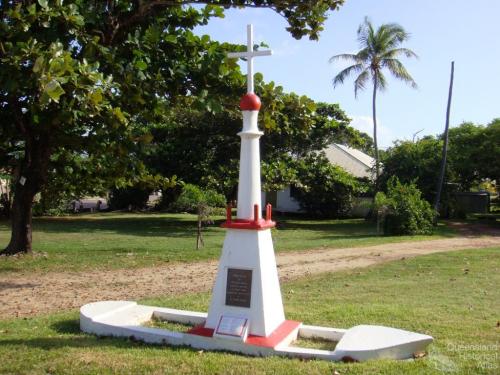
[96, 204]
[353, 161]
[89, 204]
[4, 186]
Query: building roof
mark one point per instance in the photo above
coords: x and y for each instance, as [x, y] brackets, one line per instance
[353, 161]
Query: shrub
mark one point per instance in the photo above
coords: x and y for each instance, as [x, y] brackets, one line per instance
[403, 210]
[192, 197]
[323, 189]
[52, 203]
[202, 202]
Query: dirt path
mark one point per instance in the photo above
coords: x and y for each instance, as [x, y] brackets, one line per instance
[42, 293]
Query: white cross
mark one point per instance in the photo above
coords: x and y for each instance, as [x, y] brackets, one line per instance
[249, 55]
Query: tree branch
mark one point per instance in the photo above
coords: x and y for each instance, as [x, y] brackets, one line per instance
[145, 9]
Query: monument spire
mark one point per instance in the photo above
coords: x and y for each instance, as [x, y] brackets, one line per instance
[249, 186]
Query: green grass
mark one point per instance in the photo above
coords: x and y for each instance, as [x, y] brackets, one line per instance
[121, 240]
[314, 343]
[430, 294]
[171, 326]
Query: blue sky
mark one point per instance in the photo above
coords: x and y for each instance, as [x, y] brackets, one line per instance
[441, 31]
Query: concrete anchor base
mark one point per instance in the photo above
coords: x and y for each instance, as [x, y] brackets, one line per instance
[360, 343]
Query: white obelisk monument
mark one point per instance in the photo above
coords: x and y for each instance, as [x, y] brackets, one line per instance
[246, 311]
[247, 295]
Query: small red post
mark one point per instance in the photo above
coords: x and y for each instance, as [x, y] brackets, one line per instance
[269, 211]
[256, 213]
[229, 213]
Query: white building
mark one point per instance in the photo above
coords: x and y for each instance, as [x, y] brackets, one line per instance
[351, 160]
[4, 186]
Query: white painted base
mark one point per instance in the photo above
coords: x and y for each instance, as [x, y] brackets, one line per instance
[249, 250]
[360, 343]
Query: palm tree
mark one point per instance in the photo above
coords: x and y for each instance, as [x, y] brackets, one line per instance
[380, 50]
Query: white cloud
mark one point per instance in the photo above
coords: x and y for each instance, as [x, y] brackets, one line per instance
[365, 124]
[286, 49]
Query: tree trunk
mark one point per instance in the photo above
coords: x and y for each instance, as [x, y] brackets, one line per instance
[20, 241]
[199, 232]
[439, 186]
[375, 143]
[33, 174]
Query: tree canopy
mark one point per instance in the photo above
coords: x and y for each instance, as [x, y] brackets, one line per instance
[474, 151]
[82, 80]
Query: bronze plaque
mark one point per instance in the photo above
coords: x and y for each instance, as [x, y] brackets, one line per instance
[238, 287]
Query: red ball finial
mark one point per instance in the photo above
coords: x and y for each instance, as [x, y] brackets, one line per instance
[250, 102]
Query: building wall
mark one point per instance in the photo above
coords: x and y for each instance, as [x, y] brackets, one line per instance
[285, 202]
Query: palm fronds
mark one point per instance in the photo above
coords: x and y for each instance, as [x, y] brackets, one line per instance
[379, 49]
[340, 78]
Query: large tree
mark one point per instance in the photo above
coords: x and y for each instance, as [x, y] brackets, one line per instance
[415, 162]
[474, 153]
[489, 166]
[82, 80]
[380, 50]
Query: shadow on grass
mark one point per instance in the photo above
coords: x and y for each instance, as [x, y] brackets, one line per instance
[137, 226]
[347, 229]
[341, 226]
[81, 341]
[442, 231]
[75, 338]
[185, 225]
[147, 225]
[67, 326]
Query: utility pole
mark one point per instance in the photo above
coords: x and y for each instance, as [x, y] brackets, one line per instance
[439, 187]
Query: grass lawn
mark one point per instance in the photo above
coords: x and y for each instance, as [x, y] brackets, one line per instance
[454, 297]
[122, 240]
